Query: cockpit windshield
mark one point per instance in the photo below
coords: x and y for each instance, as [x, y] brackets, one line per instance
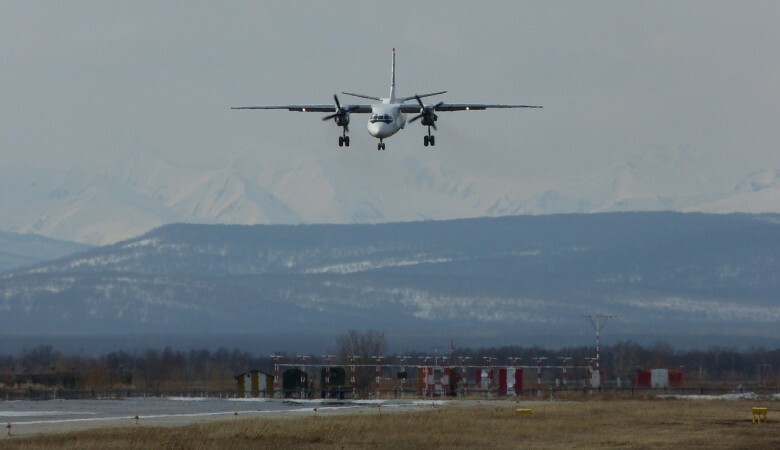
[381, 118]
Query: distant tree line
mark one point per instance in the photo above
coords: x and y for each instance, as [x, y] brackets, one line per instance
[150, 371]
[154, 371]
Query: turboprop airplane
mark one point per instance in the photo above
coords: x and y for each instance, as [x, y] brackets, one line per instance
[388, 117]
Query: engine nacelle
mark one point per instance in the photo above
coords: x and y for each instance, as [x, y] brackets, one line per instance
[428, 119]
[342, 119]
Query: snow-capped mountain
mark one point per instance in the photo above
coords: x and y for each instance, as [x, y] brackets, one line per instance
[758, 192]
[129, 195]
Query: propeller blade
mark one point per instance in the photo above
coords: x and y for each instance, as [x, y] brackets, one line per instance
[434, 116]
[419, 101]
[425, 111]
[338, 109]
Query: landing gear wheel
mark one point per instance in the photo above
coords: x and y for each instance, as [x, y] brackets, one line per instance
[341, 141]
[429, 140]
[346, 141]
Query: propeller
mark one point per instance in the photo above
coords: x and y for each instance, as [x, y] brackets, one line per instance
[427, 113]
[341, 115]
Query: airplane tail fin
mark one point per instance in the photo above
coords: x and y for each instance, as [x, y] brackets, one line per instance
[392, 80]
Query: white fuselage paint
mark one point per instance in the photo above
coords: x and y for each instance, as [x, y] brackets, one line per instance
[386, 120]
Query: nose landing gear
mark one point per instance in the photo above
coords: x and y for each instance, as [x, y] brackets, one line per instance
[380, 145]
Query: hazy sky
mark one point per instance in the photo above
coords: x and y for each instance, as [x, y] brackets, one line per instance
[90, 80]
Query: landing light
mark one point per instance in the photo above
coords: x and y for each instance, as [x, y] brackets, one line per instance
[303, 109]
[468, 109]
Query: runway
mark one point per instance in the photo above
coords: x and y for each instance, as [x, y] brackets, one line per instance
[36, 417]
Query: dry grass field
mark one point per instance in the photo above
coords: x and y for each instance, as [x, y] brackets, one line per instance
[614, 423]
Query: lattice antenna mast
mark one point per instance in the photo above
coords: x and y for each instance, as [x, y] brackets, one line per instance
[598, 321]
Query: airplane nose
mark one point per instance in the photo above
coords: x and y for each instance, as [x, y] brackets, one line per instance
[379, 130]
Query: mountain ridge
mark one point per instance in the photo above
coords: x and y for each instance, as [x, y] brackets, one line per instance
[681, 276]
[21, 250]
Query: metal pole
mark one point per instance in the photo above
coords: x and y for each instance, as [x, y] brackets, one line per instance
[539, 375]
[464, 375]
[564, 360]
[489, 370]
[378, 361]
[598, 321]
[303, 375]
[277, 381]
[352, 374]
[326, 380]
[591, 362]
[404, 372]
[424, 363]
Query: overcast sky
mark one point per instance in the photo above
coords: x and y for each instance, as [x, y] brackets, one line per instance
[89, 80]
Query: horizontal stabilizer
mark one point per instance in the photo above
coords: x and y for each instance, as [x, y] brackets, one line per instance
[363, 96]
[405, 99]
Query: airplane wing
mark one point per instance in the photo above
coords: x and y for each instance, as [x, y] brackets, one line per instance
[311, 108]
[411, 108]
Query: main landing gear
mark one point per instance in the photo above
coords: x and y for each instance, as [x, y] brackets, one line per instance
[430, 139]
[380, 145]
[344, 139]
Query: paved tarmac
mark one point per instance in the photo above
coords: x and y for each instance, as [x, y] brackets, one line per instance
[36, 417]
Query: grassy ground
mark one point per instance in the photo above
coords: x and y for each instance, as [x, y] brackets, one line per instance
[651, 423]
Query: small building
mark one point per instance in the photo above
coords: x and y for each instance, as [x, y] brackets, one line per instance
[658, 378]
[484, 379]
[510, 381]
[437, 381]
[254, 384]
[596, 378]
[295, 383]
[675, 378]
[333, 382]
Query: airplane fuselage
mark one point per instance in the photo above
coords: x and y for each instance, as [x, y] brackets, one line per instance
[386, 120]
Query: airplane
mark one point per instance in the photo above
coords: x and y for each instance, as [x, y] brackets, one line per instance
[388, 117]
